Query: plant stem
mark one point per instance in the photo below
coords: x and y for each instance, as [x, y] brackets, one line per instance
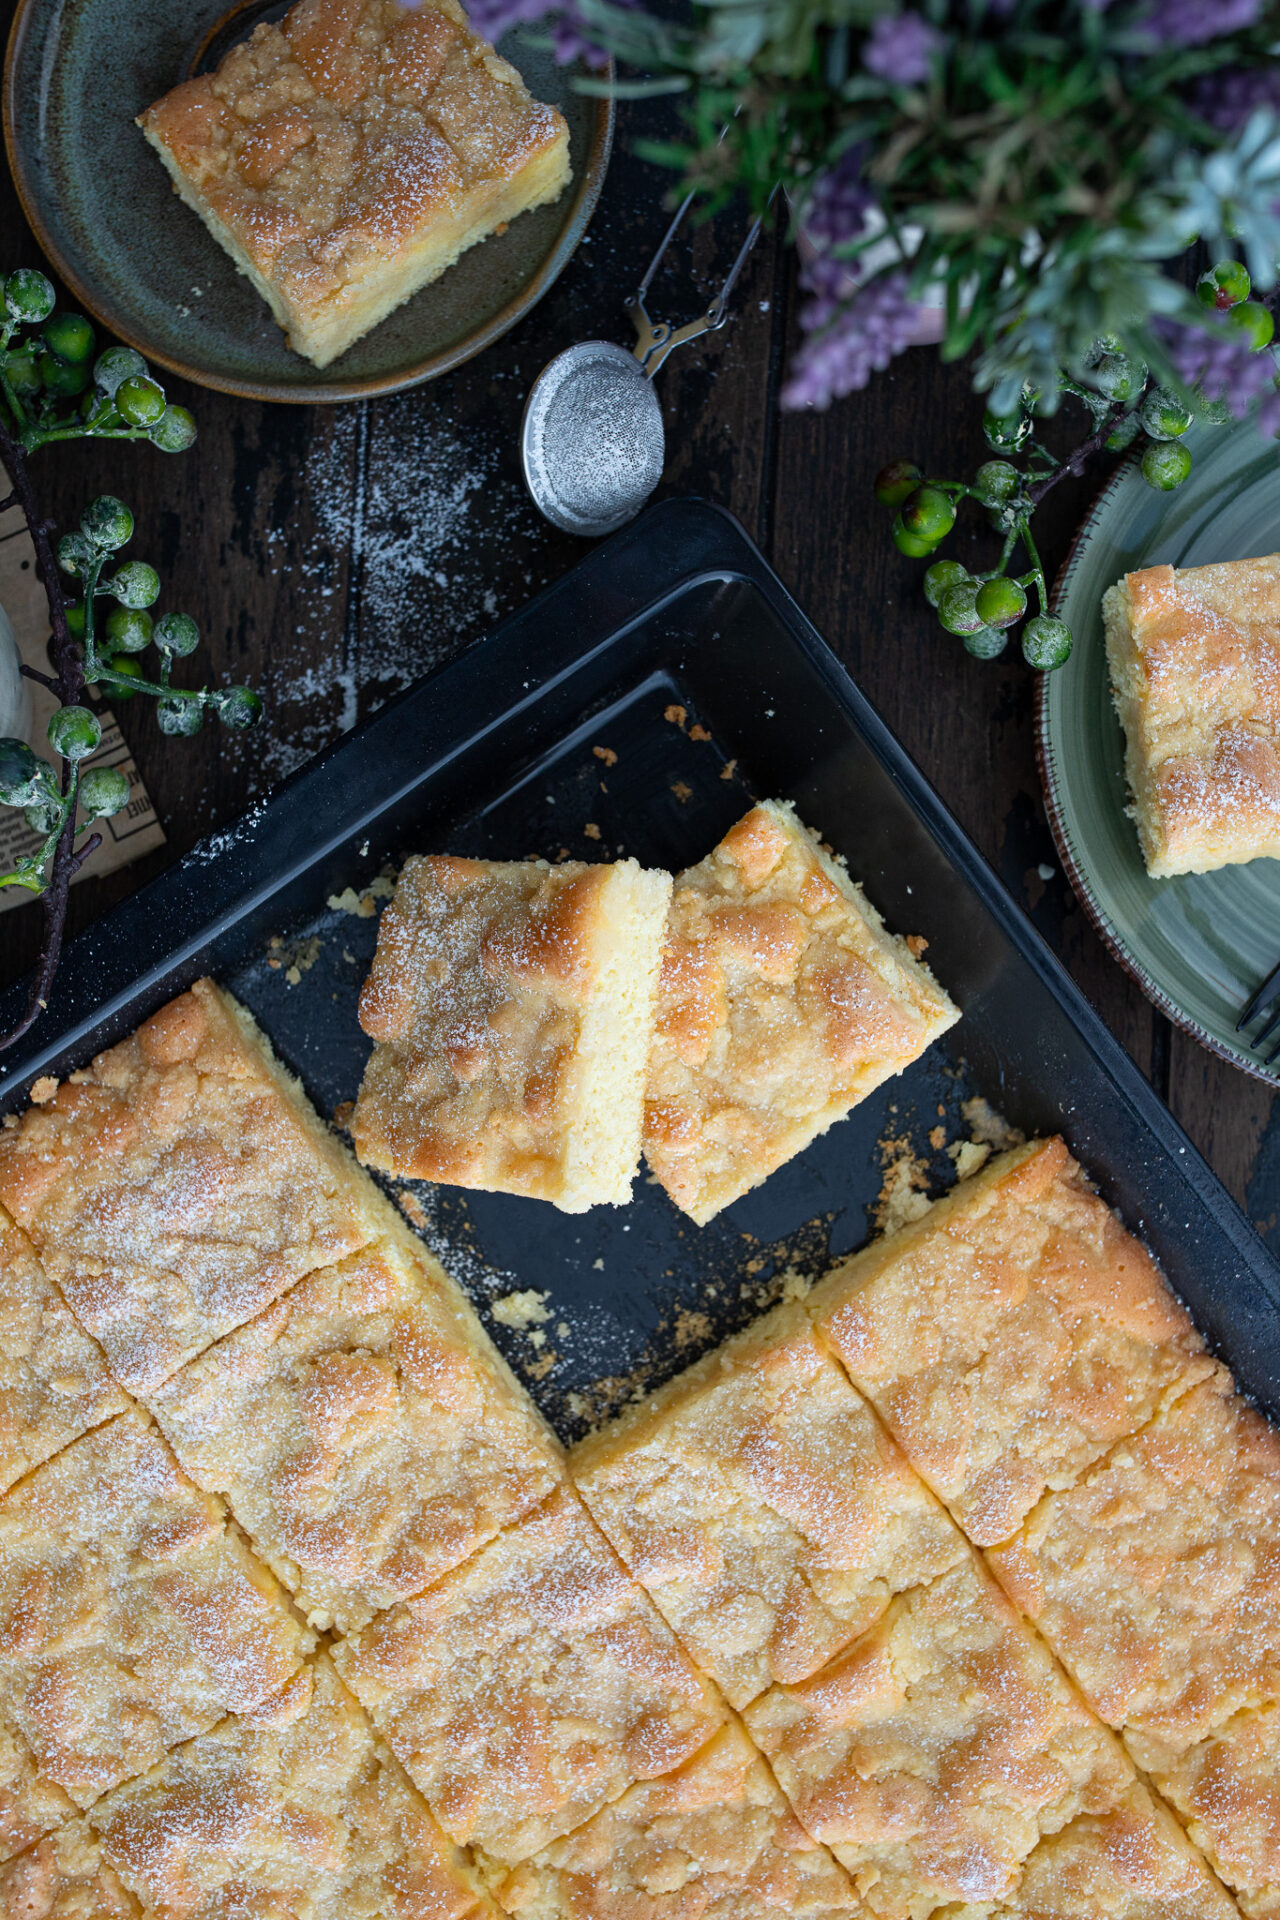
[1075, 462]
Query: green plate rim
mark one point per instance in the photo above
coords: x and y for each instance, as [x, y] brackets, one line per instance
[1073, 866]
[324, 392]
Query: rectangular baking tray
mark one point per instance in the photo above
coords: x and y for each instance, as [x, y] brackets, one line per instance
[675, 651]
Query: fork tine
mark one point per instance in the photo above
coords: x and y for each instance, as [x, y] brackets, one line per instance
[1266, 993]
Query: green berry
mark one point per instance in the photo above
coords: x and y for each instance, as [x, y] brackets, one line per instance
[107, 523]
[70, 337]
[128, 629]
[174, 431]
[1163, 415]
[1124, 433]
[910, 543]
[28, 296]
[1165, 466]
[894, 482]
[1225, 285]
[1046, 642]
[103, 790]
[43, 815]
[958, 608]
[1006, 432]
[177, 633]
[74, 611]
[131, 669]
[139, 401]
[1253, 322]
[996, 482]
[1000, 602]
[75, 555]
[19, 773]
[929, 513]
[238, 707]
[179, 716]
[1118, 377]
[941, 575]
[135, 585]
[74, 732]
[115, 365]
[986, 643]
[23, 373]
[62, 378]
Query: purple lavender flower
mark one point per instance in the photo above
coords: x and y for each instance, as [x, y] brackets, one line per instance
[847, 345]
[1227, 98]
[901, 47]
[569, 36]
[1225, 369]
[1190, 23]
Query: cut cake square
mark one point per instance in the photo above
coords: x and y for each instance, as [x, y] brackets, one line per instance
[783, 1002]
[1226, 1790]
[715, 1839]
[178, 1185]
[934, 1753]
[760, 1501]
[297, 1812]
[54, 1384]
[511, 1006]
[346, 156]
[131, 1615]
[1194, 654]
[363, 1431]
[1009, 1336]
[530, 1686]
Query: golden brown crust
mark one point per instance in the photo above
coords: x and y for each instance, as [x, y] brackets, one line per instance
[361, 1433]
[763, 1506]
[1226, 1790]
[331, 148]
[714, 1840]
[1195, 669]
[499, 993]
[1010, 1336]
[54, 1384]
[934, 1752]
[531, 1686]
[304, 1815]
[783, 1003]
[178, 1185]
[65, 1877]
[131, 1616]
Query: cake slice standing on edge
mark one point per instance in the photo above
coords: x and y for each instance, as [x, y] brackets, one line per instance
[783, 1002]
[1195, 674]
[512, 1006]
[345, 157]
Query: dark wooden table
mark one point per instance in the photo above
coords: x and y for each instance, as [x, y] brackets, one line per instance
[332, 555]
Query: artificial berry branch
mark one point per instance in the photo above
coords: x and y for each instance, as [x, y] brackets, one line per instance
[1126, 401]
[47, 364]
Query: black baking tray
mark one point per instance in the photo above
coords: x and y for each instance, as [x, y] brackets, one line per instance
[675, 651]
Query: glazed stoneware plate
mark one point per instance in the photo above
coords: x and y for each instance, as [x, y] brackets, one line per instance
[1198, 945]
[102, 208]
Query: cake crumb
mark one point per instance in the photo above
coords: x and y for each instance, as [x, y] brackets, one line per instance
[691, 1325]
[937, 1138]
[43, 1089]
[682, 791]
[522, 1311]
[413, 1209]
[916, 944]
[795, 1285]
[728, 770]
[988, 1127]
[591, 830]
[539, 1369]
[676, 714]
[606, 754]
[697, 732]
[969, 1155]
[597, 1266]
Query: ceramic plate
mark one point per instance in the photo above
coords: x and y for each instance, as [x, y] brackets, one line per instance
[1200, 944]
[102, 208]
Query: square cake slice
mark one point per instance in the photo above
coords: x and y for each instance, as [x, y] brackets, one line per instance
[346, 156]
[1009, 1336]
[531, 1686]
[1194, 654]
[1226, 1790]
[1132, 1862]
[760, 1501]
[54, 1383]
[1156, 1578]
[934, 1753]
[715, 1839]
[178, 1185]
[511, 1006]
[300, 1811]
[783, 1002]
[363, 1431]
[131, 1615]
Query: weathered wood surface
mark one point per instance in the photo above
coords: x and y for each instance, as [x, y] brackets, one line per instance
[331, 555]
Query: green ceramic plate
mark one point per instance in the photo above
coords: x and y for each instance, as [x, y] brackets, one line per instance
[101, 206]
[1198, 945]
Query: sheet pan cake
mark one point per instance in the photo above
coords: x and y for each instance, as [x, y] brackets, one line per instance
[1194, 654]
[511, 1006]
[783, 1002]
[346, 157]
